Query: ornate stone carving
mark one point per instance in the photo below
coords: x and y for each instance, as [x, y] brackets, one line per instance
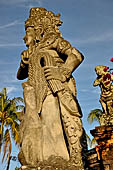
[51, 124]
[104, 81]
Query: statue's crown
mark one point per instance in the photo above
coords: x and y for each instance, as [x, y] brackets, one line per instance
[40, 16]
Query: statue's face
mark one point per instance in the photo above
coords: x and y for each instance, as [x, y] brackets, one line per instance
[98, 71]
[30, 36]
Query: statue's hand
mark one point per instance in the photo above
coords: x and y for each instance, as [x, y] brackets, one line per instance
[52, 72]
[25, 56]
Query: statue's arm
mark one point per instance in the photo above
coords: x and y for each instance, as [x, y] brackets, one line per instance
[73, 59]
[23, 69]
[96, 82]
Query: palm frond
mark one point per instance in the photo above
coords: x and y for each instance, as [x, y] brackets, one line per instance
[18, 100]
[88, 140]
[94, 115]
[15, 134]
[1, 142]
[7, 142]
[9, 114]
[1, 129]
[1, 104]
[93, 143]
[19, 107]
[5, 146]
[1, 114]
[7, 106]
[13, 117]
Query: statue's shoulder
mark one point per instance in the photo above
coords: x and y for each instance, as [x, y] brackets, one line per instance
[63, 45]
[55, 41]
[48, 40]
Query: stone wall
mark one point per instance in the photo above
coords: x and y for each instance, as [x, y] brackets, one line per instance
[104, 149]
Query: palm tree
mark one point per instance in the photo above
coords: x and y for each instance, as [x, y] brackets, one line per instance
[94, 115]
[88, 140]
[91, 143]
[9, 124]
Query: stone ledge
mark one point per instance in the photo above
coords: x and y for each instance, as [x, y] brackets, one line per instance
[53, 163]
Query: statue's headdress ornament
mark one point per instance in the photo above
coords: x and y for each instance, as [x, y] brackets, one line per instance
[40, 16]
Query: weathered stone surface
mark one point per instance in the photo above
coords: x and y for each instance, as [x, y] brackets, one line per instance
[104, 138]
[103, 134]
[92, 160]
[51, 124]
[53, 163]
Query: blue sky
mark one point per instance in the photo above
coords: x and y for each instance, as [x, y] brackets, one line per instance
[87, 25]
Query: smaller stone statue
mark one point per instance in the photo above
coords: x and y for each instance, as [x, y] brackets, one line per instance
[104, 80]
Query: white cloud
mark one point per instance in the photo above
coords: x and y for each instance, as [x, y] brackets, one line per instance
[84, 90]
[96, 91]
[31, 4]
[21, 2]
[7, 36]
[106, 36]
[11, 89]
[11, 45]
[10, 24]
[3, 62]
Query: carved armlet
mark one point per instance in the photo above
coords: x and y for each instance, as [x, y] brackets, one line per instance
[66, 73]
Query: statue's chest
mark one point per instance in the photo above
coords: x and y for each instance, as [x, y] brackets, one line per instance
[44, 57]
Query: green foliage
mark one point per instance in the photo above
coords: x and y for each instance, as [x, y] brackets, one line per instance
[9, 124]
[93, 143]
[16, 168]
[95, 115]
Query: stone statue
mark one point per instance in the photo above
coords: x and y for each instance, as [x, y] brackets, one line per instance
[104, 81]
[51, 124]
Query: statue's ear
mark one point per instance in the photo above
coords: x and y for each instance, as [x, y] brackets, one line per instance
[39, 32]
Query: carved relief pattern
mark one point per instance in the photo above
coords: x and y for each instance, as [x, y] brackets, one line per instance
[37, 79]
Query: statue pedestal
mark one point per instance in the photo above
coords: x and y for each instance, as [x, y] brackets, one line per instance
[104, 138]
